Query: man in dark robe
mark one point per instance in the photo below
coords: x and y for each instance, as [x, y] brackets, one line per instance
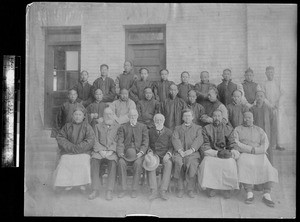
[172, 107]
[197, 108]
[202, 87]
[184, 87]
[127, 78]
[84, 89]
[250, 87]
[161, 87]
[106, 84]
[226, 88]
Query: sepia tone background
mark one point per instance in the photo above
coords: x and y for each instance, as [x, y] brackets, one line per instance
[70, 37]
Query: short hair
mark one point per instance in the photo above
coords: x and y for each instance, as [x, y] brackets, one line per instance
[104, 65]
[163, 70]
[270, 68]
[131, 63]
[158, 115]
[214, 88]
[72, 89]
[227, 70]
[96, 90]
[84, 71]
[184, 72]
[148, 88]
[237, 90]
[217, 110]
[248, 112]
[144, 69]
[260, 91]
[248, 70]
[187, 110]
[204, 72]
[173, 84]
[192, 90]
[123, 90]
[78, 108]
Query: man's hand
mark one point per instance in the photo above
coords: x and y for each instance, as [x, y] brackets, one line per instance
[181, 153]
[103, 153]
[121, 155]
[235, 154]
[166, 157]
[109, 153]
[100, 120]
[139, 155]
[188, 152]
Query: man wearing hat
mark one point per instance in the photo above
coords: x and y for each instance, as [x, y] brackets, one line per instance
[250, 87]
[186, 139]
[132, 144]
[160, 151]
[104, 150]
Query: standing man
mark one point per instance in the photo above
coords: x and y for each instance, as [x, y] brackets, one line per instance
[250, 87]
[104, 150]
[133, 141]
[203, 86]
[197, 108]
[184, 87]
[226, 88]
[172, 107]
[84, 89]
[187, 139]
[127, 78]
[161, 87]
[253, 165]
[273, 95]
[122, 106]
[106, 84]
[160, 143]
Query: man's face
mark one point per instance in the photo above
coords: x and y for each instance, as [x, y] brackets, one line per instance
[72, 95]
[78, 116]
[148, 94]
[237, 96]
[212, 96]
[248, 119]
[226, 75]
[173, 91]
[124, 95]
[192, 97]
[98, 95]
[104, 71]
[260, 97]
[144, 74]
[84, 76]
[185, 77]
[164, 75]
[159, 122]
[217, 117]
[133, 116]
[108, 116]
[127, 67]
[270, 74]
[187, 117]
[204, 77]
[249, 76]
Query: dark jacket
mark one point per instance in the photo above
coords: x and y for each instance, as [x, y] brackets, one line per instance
[85, 93]
[183, 90]
[161, 90]
[225, 91]
[160, 144]
[108, 88]
[250, 89]
[147, 110]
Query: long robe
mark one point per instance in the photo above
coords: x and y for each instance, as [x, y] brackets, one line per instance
[75, 142]
[108, 88]
[225, 91]
[95, 107]
[172, 110]
[85, 93]
[198, 110]
[125, 80]
[147, 109]
[202, 90]
[254, 168]
[216, 173]
[162, 90]
[250, 89]
[183, 90]
[121, 109]
[235, 113]
[187, 137]
[136, 92]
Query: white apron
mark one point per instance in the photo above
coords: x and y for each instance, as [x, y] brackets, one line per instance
[256, 169]
[219, 174]
[73, 170]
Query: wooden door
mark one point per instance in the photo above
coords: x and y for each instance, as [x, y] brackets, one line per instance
[146, 47]
[62, 73]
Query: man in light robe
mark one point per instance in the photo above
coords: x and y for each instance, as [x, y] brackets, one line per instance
[187, 139]
[253, 165]
[104, 150]
[122, 106]
[218, 169]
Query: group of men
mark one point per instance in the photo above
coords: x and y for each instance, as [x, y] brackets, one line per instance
[219, 137]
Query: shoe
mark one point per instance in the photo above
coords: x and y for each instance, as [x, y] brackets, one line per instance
[134, 194]
[93, 195]
[227, 194]
[122, 194]
[163, 195]
[269, 203]
[108, 195]
[68, 188]
[211, 193]
[191, 194]
[180, 193]
[249, 200]
[82, 189]
[280, 148]
[153, 195]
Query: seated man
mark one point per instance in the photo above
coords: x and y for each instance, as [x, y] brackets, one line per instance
[218, 170]
[132, 136]
[75, 141]
[122, 106]
[197, 108]
[253, 165]
[105, 151]
[160, 143]
[187, 139]
[147, 108]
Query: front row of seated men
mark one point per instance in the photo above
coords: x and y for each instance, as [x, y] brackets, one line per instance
[230, 156]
